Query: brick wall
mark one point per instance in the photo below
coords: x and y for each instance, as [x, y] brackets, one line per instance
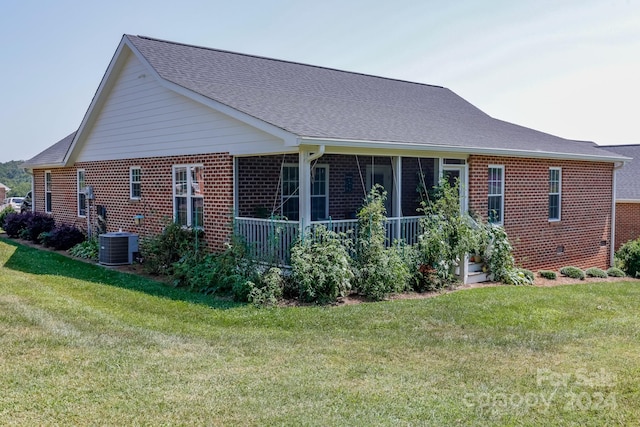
[584, 229]
[3, 194]
[110, 181]
[627, 222]
[259, 185]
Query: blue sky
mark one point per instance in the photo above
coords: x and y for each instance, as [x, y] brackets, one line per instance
[570, 68]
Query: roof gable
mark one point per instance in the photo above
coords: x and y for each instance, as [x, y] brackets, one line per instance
[628, 177]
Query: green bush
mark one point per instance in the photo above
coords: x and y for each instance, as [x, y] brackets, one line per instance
[447, 234]
[573, 272]
[89, 249]
[320, 265]
[596, 272]
[269, 290]
[518, 276]
[217, 273]
[628, 258]
[6, 211]
[378, 270]
[615, 272]
[62, 237]
[161, 252]
[547, 274]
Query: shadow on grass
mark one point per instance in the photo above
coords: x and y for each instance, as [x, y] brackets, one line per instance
[41, 262]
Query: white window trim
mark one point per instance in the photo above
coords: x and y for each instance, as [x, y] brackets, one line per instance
[326, 189]
[131, 169]
[284, 198]
[501, 167]
[559, 193]
[189, 196]
[47, 191]
[79, 190]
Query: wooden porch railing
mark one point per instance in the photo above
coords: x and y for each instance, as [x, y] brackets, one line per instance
[271, 240]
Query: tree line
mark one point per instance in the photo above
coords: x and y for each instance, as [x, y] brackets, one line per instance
[15, 177]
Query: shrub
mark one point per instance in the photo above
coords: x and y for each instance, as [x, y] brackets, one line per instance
[627, 257]
[217, 273]
[37, 223]
[551, 275]
[321, 267]
[162, 251]
[62, 237]
[498, 255]
[596, 272]
[269, 289]
[15, 223]
[6, 211]
[88, 249]
[378, 270]
[615, 272]
[447, 234]
[573, 272]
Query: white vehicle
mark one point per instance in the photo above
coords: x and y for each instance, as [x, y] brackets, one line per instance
[14, 202]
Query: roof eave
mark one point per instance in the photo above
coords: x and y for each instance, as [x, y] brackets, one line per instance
[458, 149]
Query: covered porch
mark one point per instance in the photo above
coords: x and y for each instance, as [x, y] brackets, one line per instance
[277, 197]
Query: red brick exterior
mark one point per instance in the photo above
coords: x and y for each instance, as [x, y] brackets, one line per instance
[584, 231]
[259, 188]
[110, 181]
[3, 194]
[627, 222]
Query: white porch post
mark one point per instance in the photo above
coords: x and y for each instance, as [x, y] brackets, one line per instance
[235, 188]
[397, 194]
[304, 189]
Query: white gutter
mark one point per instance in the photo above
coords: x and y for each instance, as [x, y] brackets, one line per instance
[458, 149]
[613, 215]
[317, 154]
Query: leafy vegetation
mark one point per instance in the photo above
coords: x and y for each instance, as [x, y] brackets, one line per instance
[595, 272]
[615, 272]
[628, 258]
[163, 251]
[85, 345]
[63, 237]
[573, 272]
[89, 249]
[379, 270]
[321, 266]
[547, 274]
[15, 177]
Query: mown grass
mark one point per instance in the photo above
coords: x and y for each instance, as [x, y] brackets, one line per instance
[83, 345]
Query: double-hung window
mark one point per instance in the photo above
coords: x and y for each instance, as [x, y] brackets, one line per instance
[495, 200]
[188, 195]
[134, 183]
[555, 188]
[47, 191]
[82, 197]
[319, 192]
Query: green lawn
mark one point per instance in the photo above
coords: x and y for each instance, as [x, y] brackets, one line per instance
[80, 344]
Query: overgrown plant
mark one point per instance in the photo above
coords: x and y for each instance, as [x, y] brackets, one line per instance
[217, 273]
[320, 265]
[378, 270]
[268, 291]
[89, 249]
[628, 258]
[447, 234]
[162, 251]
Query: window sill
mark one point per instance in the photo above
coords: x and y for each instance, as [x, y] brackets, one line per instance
[555, 221]
[134, 200]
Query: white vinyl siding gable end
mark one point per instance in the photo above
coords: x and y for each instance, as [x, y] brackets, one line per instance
[140, 119]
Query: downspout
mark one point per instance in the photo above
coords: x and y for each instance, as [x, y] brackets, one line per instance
[613, 215]
[316, 155]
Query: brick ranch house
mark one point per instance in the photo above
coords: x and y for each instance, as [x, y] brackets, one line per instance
[627, 221]
[218, 140]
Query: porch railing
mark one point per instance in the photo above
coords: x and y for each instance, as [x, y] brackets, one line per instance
[271, 240]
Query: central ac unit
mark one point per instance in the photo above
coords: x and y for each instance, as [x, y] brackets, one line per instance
[117, 248]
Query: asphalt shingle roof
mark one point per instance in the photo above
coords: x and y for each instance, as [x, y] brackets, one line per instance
[312, 101]
[53, 155]
[628, 177]
[317, 102]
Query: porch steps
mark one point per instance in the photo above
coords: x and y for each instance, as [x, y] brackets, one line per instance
[475, 273]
